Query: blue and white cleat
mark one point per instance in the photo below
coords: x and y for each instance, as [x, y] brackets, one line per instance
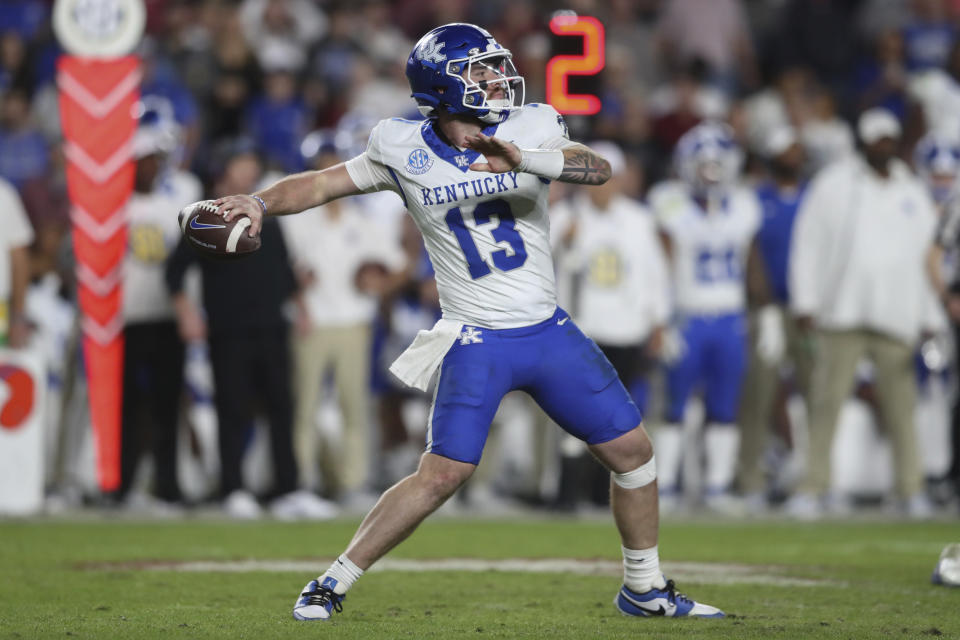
[666, 602]
[318, 601]
[947, 571]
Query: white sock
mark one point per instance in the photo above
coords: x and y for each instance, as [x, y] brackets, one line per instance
[641, 569]
[344, 572]
[722, 443]
[668, 446]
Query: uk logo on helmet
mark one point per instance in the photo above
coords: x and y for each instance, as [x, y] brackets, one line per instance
[418, 162]
[431, 51]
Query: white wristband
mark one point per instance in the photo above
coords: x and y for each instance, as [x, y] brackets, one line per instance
[546, 163]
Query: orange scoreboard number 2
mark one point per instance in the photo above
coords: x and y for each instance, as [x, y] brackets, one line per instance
[590, 62]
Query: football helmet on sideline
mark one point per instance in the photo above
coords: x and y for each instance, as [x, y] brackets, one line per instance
[937, 160]
[707, 157]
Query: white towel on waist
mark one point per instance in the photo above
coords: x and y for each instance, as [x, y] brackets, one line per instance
[416, 364]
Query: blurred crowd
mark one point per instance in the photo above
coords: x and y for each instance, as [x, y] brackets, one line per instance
[770, 270]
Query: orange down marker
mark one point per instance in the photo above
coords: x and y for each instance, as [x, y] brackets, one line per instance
[590, 62]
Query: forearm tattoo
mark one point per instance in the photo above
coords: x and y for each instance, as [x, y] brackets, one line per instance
[583, 166]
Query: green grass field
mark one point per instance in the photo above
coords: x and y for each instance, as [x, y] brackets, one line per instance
[121, 579]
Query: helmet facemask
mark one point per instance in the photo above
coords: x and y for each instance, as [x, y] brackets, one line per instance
[479, 73]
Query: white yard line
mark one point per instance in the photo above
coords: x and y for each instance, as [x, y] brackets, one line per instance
[697, 572]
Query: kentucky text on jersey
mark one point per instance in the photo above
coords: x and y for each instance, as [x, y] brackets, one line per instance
[488, 234]
[470, 188]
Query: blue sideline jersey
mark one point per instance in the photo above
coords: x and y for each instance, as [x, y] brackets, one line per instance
[776, 230]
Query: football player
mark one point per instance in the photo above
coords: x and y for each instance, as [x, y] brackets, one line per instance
[937, 160]
[474, 175]
[707, 224]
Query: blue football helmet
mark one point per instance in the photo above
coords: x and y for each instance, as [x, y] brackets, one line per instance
[937, 160]
[157, 128]
[452, 67]
[707, 157]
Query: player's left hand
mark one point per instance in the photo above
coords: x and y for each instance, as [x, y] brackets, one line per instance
[501, 156]
[673, 347]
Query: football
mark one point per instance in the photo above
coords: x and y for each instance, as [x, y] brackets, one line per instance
[209, 234]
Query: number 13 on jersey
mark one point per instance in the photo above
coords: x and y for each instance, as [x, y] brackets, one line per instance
[505, 231]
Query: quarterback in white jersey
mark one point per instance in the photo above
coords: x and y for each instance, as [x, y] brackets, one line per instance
[496, 223]
[474, 176]
[708, 223]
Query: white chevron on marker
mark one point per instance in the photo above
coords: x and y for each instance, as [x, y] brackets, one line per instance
[103, 333]
[99, 172]
[99, 231]
[98, 108]
[100, 285]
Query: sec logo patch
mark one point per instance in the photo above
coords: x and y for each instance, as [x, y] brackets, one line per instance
[418, 162]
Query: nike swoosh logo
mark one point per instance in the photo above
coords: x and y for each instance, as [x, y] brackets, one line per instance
[201, 225]
[562, 321]
[660, 611]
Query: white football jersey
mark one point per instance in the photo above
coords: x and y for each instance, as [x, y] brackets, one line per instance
[153, 232]
[710, 249]
[487, 234]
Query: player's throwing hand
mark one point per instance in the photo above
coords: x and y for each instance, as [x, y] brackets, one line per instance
[502, 156]
[241, 205]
